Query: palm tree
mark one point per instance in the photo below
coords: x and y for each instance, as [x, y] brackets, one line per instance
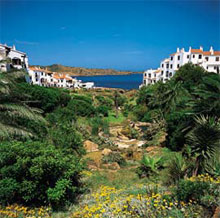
[169, 95]
[207, 95]
[14, 111]
[204, 140]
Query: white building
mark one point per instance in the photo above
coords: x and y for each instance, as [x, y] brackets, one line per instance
[209, 60]
[44, 77]
[10, 58]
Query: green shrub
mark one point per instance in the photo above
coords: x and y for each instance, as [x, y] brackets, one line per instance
[114, 157]
[102, 110]
[130, 132]
[44, 98]
[105, 101]
[188, 190]
[178, 168]
[35, 173]
[99, 124]
[82, 108]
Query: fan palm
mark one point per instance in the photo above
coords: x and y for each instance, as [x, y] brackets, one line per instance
[169, 95]
[205, 141]
[207, 96]
[13, 110]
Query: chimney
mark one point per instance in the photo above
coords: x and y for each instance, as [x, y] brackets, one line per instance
[201, 48]
[177, 50]
[182, 50]
[211, 50]
[13, 47]
[190, 48]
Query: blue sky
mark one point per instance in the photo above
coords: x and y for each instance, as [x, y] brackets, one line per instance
[124, 35]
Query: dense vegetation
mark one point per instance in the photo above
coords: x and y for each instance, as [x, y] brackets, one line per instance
[43, 163]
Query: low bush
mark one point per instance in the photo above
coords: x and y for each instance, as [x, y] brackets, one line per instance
[178, 168]
[82, 108]
[37, 174]
[202, 189]
[46, 99]
[98, 124]
[102, 110]
[105, 101]
[114, 157]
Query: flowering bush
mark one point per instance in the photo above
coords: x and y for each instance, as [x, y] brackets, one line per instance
[202, 188]
[17, 211]
[110, 202]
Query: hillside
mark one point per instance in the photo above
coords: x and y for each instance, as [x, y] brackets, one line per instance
[152, 152]
[81, 71]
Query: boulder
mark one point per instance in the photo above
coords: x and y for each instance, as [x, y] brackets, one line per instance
[90, 146]
[162, 139]
[111, 166]
[106, 151]
[217, 212]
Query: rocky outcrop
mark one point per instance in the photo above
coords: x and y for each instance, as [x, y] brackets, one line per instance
[90, 146]
[106, 151]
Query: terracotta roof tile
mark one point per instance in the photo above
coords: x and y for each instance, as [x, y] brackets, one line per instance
[206, 53]
[216, 52]
[196, 51]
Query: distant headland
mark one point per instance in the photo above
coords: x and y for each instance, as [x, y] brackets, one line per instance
[81, 71]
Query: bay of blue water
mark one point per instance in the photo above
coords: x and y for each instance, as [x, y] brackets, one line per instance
[130, 81]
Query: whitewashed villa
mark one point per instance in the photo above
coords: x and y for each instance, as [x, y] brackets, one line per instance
[209, 60]
[10, 58]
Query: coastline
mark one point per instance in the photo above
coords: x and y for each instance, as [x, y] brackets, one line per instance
[113, 74]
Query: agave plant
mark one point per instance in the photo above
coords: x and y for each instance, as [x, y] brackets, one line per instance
[204, 140]
[13, 109]
[149, 166]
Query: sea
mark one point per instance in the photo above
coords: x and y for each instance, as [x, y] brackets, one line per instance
[129, 81]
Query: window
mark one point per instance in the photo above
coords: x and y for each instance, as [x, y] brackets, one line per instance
[171, 58]
[162, 72]
[215, 67]
[171, 66]
[217, 59]
[207, 67]
[149, 75]
[162, 65]
[187, 56]
[167, 65]
[170, 74]
[193, 56]
[207, 58]
[200, 56]
[179, 57]
[61, 81]
[167, 73]
[178, 66]
[155, 75]
[145, 74]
